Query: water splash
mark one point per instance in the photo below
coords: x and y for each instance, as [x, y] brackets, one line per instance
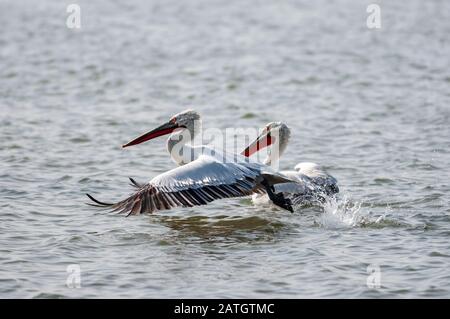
[345, 213]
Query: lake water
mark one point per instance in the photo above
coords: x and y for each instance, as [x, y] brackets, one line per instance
[370, 105]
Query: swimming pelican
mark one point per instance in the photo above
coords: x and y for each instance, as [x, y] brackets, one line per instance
[312, 182]
[203, 175]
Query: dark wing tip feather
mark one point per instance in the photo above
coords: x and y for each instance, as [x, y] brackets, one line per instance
[102, 204]
[134, 183]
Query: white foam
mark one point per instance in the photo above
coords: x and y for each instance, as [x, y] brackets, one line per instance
[344, 213]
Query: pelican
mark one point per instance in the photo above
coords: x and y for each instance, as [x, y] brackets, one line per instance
[312, 182]
[202, 176]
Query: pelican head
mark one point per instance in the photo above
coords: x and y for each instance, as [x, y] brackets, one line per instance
[274, 133]
[187, 120]
[307, 167]
[311, 169]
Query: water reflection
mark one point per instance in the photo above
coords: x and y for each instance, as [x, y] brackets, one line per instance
[225, 228]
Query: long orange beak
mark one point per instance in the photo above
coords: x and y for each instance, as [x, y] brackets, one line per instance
[262, 141]
[164, 129]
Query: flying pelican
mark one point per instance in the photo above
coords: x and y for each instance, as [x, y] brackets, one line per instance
[203, 175]
[312, 182]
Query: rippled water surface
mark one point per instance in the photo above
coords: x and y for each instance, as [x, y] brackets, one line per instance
[372, 106]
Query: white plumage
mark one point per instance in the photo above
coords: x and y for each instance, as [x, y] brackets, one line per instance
[311, 183]
[204, 174]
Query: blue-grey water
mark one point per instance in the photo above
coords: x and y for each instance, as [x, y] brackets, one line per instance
[371, 105]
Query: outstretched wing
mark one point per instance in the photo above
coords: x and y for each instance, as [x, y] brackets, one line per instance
[196, 183]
